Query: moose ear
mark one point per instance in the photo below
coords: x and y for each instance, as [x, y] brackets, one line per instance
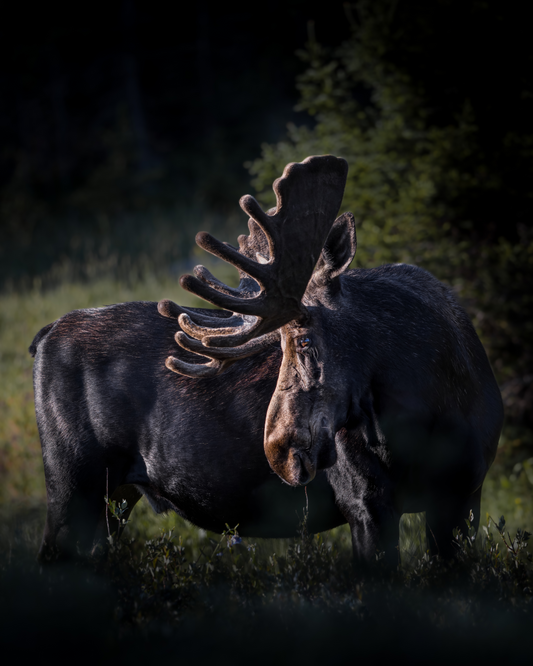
[338, 251]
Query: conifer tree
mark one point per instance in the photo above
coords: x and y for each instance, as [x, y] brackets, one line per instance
[431, 104]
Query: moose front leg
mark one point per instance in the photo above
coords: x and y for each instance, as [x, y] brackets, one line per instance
[364, 494]
[375, 529]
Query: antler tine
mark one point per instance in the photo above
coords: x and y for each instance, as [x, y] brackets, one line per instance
[203, 332]
[168, 308]
[221, 359]
[255, 246]
[245, 306]
[199, 325]
[195, 370]
[265, 221]
[223, 353]
[208, 278]
[232, 256]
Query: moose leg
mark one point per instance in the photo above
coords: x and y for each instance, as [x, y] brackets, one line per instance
[375, 529]
[71, 521]
[75, 492]
[445, 514]
[364, 493]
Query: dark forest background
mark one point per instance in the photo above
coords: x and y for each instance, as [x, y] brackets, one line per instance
[120, 119]
[125, 128]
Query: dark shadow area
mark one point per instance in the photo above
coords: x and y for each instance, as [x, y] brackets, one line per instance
[112, 117]
[232, 607]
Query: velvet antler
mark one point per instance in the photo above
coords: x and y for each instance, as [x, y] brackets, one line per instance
[275, 261]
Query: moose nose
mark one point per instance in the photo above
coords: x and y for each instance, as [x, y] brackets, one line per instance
[304, 470]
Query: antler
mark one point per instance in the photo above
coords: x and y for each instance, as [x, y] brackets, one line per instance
[275, 264]
[221, 358]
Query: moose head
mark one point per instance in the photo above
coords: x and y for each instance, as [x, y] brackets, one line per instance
[290, 290]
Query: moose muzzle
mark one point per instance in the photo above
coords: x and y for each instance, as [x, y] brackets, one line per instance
[296, 454]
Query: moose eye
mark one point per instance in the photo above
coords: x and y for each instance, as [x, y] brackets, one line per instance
[303, 343]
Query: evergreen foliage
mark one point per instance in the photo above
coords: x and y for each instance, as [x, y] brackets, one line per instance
[429, 103]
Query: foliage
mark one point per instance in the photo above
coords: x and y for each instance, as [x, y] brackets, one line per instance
[309, 600]
[159, 582]
[440, 169]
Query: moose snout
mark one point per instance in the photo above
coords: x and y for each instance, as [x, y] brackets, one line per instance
[296, 454]
[291, 459]
[297, 468]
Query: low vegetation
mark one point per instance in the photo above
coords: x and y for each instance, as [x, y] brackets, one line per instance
[230, 599]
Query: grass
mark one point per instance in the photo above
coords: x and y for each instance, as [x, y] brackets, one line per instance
[225, 601]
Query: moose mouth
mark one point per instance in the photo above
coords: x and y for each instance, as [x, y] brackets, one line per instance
[303, 470]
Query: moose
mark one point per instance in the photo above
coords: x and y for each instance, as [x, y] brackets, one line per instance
[369, 387]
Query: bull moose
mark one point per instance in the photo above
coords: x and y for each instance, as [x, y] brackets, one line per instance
[368, 386]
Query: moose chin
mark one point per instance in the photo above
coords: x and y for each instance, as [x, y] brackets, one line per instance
[368, 386]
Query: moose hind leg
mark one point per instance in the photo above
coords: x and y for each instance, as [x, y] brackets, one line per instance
[70, 524]
[75, 500]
